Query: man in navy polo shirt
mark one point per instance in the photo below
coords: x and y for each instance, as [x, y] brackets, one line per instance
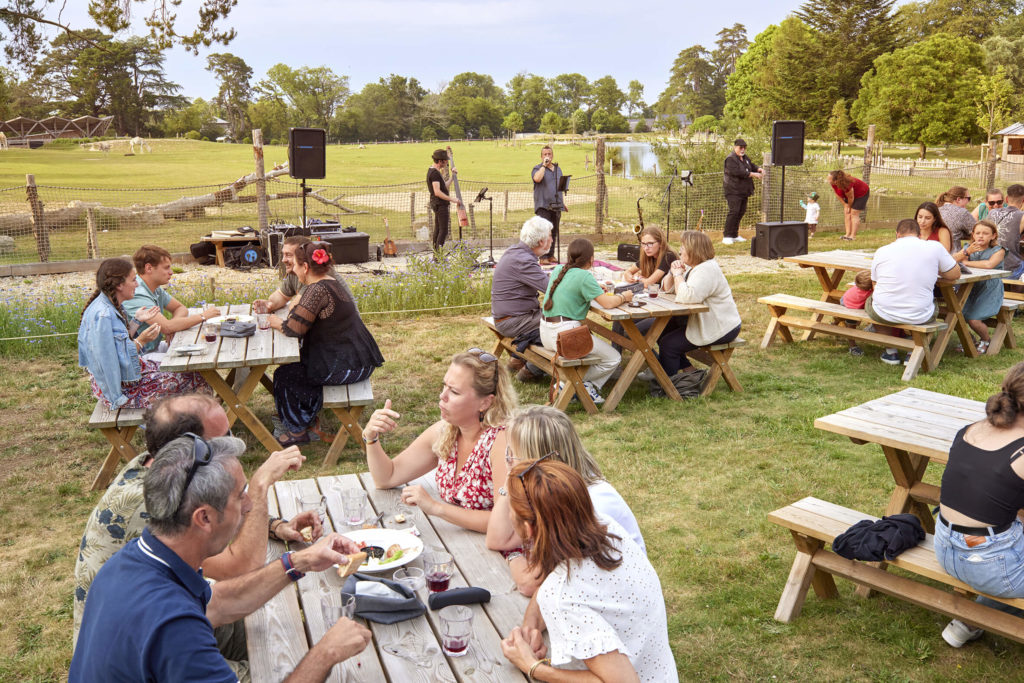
[150, 614]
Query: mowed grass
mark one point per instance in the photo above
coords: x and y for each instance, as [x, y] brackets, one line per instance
[700, 476]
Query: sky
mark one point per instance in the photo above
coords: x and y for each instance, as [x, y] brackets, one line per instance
[433, 40]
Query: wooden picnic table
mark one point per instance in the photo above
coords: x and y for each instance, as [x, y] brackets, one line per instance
[222, 358]
[914, 427]
[662, 309]
[831, 266]
[219, 240]
[282, 631]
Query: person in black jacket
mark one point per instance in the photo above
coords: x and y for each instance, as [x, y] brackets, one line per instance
[739, 170]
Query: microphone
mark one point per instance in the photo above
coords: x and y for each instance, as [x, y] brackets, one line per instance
[480, 196]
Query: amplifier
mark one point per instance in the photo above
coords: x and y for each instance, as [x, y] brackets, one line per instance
[347, 247]
[629, 252]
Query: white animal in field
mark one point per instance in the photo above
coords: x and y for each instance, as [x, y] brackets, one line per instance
[3, 140]
[141, 144]
[104, 147]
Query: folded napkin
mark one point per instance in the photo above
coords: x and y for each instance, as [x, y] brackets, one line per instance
[382, 601]
[458, 596]
[237, 329]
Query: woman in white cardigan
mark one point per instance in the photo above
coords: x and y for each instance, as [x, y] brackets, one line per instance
[696, 278]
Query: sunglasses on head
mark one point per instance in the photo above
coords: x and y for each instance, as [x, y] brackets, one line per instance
[201, 455]
[522, 475]
[997, 202]
[484, 356]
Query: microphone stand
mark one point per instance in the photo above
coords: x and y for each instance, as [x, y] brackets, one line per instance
[490, 262]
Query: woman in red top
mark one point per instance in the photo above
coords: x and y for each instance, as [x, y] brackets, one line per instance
[853, 193]
[929, 219]
[467, 445]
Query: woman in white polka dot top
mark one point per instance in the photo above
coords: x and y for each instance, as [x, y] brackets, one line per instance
[601, 602]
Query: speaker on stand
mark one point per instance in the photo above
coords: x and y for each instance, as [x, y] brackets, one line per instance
[783, 238]
[307, 157]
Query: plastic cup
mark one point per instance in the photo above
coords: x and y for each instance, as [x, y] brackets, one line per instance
[438, 567]
[353, 504]
[456, 629]
[410, 577]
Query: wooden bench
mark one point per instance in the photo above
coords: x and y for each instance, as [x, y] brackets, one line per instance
[814, 523]
[119, 428]
[1002, 325]
[716, 357]
[847, 320]
[571, 370]
[347, 402]
[1013, 289]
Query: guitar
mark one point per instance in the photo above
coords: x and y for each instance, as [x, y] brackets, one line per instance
[463, 216]
[390, 249]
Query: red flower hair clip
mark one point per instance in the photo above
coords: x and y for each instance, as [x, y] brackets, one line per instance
[320, 256]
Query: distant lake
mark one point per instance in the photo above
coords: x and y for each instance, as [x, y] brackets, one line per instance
[638, 157]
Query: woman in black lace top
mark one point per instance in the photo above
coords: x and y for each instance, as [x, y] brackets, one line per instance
[336, 347]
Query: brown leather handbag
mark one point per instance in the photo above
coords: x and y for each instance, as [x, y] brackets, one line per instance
[569, 344]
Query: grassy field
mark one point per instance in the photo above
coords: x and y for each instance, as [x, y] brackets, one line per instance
[700, 476]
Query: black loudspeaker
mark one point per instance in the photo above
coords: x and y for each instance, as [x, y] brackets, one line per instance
[347, 247]
[629, 252]
[778, 240]
[307, 153]
[788, 143]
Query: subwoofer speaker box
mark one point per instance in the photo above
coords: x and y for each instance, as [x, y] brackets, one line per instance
[347, 247]
[307, 153]
[788, 143]
[629, 252]
[778, 240]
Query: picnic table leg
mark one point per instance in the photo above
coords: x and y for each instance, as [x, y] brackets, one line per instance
[828, 282]
[574, 377]
[235, 404]
[955, 321]
[267, 383]
[802, 576]
[219, 251]
[642, 353]
[349, 419]
[1003, 332]
[775, 326]
[918, 357]
[121, 448]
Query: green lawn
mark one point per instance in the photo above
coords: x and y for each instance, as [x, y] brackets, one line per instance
[700, 476]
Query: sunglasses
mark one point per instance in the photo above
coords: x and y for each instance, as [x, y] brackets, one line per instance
[522, 475]
[484, 356]
[201, 455]
[998, 202]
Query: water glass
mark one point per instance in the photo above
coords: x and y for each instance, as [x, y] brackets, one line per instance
[456, 629]
[353, 503]
[263, 321]
[316, 503]
[333, 611]
[410, 577]
[439, 567]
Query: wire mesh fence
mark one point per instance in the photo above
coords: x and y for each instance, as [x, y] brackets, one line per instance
[55, 223]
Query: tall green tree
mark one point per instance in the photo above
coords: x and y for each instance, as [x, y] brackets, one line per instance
[607, 95]
[693, 85]
[1007, 53]
[193, 116]
[635, 98]
[578, 122]
[528, 94]
[513, 123]
[269, 115]
[731, 44]
[917, 94]
[234, 92]
[569, 92]
[311, 93]
[746, 99]
[469, 85]
[791, 89]
[838, 125]
[551, 123]
[385, 110]
[995, 102]
[977, 19]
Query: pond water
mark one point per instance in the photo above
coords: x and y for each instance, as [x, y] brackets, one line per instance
[638, 157]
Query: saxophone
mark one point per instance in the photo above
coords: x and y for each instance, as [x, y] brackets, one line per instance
[639, 227]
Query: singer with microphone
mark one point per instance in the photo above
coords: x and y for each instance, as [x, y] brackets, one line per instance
[548, 202]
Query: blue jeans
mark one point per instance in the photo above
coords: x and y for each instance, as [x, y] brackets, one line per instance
[995, 567]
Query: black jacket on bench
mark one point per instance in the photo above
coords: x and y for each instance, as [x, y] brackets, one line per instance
[882, 540]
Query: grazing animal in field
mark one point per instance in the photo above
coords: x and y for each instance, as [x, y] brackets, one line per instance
[141, 144]
[3, 140]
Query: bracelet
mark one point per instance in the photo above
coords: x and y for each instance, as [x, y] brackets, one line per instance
[513, 555]
[271, 532]
[535, 665]
[371, 441]
[289, 568]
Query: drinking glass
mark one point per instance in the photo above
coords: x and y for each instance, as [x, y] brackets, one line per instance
[439, 567]
[210, 333]
[332, 611]
[456, 629]
[652, 291]
[410, 577]
[317, 503]
[353, 503]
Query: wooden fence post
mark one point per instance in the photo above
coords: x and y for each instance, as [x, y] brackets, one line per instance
[39, 228]
[504, 211]
[601, 190]
[92, 248]
[472, 219]
[412, 213]
[262, 211]
[868, 145]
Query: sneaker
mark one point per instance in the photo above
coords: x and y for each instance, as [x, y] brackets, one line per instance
[890, 358]
[957, 633]
[516, 364]
[739, 239]
[728, 240]
[594, 393]
[856, 351]
[906, 359]
[526, 375]
[646, 375]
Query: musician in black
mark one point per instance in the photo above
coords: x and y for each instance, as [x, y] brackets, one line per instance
[739, 185]
[548, 202]
[439, 198]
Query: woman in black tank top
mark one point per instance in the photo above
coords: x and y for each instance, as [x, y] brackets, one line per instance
[978, 537]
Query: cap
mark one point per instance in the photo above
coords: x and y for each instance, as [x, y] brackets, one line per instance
[813, 195]
[739, 142]
[439, 155]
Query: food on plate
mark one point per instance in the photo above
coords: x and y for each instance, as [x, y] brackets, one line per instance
[355, 560]
[399, 519]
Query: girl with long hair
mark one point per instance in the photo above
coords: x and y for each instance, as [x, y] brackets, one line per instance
[466, 446]
[121, 377]
[853, 194]
[570, 290]
[986, 297]
[953, 206]
[929, 219]
[655, 258]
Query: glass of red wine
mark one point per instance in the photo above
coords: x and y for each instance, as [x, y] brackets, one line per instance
[209, 333]
[439, 567]
[652, 291]
[456, 629]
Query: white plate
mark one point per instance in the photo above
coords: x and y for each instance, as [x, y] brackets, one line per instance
[412, 546]
[189, 349]
[242, 318]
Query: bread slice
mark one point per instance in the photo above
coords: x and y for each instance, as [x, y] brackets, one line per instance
[355, 561]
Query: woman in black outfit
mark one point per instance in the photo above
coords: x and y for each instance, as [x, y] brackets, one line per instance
[336, 347]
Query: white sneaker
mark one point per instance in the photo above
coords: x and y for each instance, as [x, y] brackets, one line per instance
[727, 240]
[594, 393]
[646, 375]
[957, 633]
[739, 239]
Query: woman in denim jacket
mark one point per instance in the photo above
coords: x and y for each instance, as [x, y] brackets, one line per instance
[978, 537]
[120, 377]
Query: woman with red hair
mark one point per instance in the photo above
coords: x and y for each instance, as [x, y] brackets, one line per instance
[853, 193]
[601, 600]
[336, 346]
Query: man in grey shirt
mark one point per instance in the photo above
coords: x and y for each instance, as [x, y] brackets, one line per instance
[548, 202]
[518, 279]
[291, 286]
[1007, 219]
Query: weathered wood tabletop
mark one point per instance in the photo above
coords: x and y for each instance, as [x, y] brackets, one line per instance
[410, 650]
[662, 309]
[221, 358]
[913, 427]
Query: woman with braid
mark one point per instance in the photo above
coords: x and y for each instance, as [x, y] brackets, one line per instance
[120, 377]
[571, 289]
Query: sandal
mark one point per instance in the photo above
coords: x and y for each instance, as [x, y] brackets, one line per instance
[326, 437]
[983, 347]
[293, 438]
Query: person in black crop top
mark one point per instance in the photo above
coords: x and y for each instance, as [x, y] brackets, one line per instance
[336, 346]
[978, 536]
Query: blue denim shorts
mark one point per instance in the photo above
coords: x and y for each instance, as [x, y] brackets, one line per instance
[995, 567]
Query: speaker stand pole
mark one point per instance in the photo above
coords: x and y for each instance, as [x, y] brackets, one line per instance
[782, 197]
[304, 191]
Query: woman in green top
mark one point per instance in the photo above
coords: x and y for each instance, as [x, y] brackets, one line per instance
[571, 289]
